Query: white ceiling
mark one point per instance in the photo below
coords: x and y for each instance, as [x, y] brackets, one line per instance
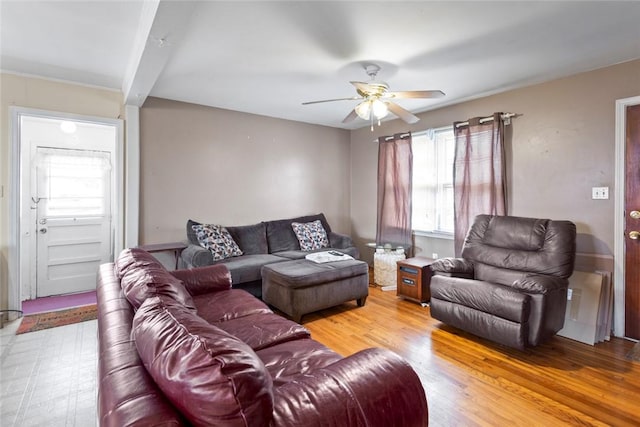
[267, 57]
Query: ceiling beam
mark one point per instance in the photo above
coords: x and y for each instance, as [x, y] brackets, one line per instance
[162, 25]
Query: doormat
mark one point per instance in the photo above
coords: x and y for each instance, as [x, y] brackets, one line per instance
[634, 353]
[53, 319]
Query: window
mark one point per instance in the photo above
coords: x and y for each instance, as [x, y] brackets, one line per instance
[432, 197]
[73, 182]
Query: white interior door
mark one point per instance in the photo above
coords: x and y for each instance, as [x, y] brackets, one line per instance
[73, 220]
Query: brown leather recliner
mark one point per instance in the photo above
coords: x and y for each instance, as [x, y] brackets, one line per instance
[510, 284]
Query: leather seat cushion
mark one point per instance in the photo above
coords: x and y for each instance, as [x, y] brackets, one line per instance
[288, 361]
[486, 297]
[263, 330]
[230, 304]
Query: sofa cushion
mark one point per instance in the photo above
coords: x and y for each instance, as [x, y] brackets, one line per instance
[212, 377]
[288, 361]
[252, 239]
[247, 268]
[142, 277]
[218, 240]
[263, 330]
[281, 237]
[132, 259]
[226, 305]
[311, 235]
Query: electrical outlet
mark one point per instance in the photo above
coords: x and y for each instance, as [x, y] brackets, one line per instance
[434, 255]
[600, 193]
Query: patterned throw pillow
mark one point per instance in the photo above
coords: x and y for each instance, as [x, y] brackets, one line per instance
[218, 240]
[311, 235]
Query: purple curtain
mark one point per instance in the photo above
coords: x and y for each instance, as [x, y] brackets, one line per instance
[479, 173]
[395, 170]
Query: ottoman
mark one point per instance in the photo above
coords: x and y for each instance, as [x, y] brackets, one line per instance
[299, 287]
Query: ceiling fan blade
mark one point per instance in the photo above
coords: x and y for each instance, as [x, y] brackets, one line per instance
[416, 94]
[351, 117]
[353, 98]
[405, 115]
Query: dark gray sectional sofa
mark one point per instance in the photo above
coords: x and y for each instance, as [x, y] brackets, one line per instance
[263, 243]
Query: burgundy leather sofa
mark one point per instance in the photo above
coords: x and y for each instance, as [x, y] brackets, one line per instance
[510, 283]
[184, 348]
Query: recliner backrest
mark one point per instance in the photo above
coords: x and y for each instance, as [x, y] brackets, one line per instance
[505, 248]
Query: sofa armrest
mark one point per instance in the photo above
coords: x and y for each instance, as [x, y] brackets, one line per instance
[341, 241]
[203, 280]
[456, 267]
[373, 387]
[196, 256]
[537, 284]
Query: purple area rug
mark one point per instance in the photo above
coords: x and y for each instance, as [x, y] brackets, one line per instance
[59, 302]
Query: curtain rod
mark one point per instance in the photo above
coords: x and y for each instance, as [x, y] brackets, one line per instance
[403, 135]
[506, 118]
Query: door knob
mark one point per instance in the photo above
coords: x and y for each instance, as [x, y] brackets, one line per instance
[635, 235]
[634, 214]
[44, 230]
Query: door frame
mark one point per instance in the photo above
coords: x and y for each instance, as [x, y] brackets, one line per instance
[619, 215]
[16, 251]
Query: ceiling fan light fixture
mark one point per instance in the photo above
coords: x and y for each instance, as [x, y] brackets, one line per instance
[363, 110]
[379, 109]
[366, 108]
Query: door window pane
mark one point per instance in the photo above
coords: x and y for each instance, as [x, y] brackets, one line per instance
[74, 182]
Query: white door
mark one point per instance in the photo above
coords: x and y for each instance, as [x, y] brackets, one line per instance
[73, 220]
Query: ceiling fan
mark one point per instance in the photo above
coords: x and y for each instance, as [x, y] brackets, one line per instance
[377, 99]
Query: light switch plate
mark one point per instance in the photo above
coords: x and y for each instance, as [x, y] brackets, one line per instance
[600, 193]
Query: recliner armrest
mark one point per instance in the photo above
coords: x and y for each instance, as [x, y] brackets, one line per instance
[537, 284]
[203, 280]
[374, 386]
[196, 256]
[456, 267]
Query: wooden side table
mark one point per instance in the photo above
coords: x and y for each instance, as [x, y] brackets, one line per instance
[175, 247]
[414, 278]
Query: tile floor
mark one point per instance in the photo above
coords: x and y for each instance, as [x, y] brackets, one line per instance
[48, 377]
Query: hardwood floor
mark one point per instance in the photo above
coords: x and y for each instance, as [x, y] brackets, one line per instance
[471, 381]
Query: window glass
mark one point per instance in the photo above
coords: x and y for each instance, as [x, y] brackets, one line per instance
[74, 182]
[432, 198]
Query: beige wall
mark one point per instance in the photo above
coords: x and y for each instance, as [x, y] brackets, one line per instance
[561, 146]
[233, 168]
[48, 95]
